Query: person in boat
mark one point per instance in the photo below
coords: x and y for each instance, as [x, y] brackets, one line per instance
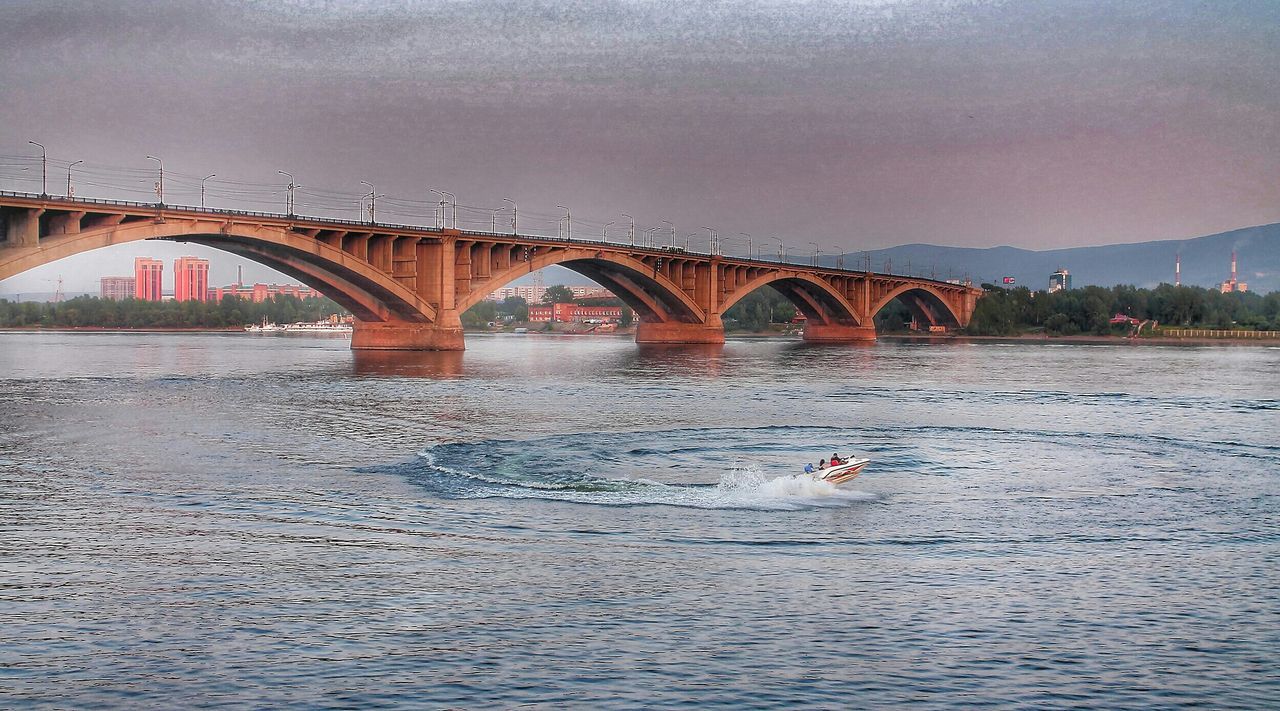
[836, 460]
[822, 464]
[808, 468]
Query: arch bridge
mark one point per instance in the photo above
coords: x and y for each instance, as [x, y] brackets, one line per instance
[408, 286]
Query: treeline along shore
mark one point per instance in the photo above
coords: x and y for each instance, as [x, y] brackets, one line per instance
[1087, 311]
[94, 312]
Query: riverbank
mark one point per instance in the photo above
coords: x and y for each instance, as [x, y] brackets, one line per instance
[1083, 340]
[112, 329]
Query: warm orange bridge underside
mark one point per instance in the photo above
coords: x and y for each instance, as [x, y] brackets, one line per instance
[407, 286]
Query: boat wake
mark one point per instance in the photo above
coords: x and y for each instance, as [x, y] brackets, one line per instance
[628, 469]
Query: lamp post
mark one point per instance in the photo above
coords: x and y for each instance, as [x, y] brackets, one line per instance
[71, 193]
[373, 197]
[711, 240]
[159, 185]
[673, 232]
[648, 241]
[493, 218]
[453, 200]
[744, 234]
[202, 188]
[44, 169]
[631, 233]
[513, 213]
[782, 249]
[568, 222]
[816, 253]
[840, 261]
[288, 200]
[442, 209]
[604, 234]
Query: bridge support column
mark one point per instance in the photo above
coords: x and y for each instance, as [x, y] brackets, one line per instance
[838, 333]
[676, 332]
[23, 228]
[407, 336]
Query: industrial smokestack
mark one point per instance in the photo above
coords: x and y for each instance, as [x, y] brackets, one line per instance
[1177, 269]
[1233, 266]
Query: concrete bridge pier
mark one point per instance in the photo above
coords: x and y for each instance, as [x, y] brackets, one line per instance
[679, 332]
[408, 336]
[838, 333]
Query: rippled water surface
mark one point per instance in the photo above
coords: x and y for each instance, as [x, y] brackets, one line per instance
[213, 520]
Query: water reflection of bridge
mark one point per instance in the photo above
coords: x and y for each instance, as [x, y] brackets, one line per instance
[407, 286]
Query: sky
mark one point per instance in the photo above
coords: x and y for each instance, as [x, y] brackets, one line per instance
[854, 125]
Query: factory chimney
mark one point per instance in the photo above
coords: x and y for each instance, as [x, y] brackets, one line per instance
[1177, 269]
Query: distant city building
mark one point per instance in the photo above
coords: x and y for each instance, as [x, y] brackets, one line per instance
[1059, 280]
[1233, 284]
[591, 292]
[148, 275]
[259, 293]
[190, 279]
[572, 313]
[532, 294]
[117, 288]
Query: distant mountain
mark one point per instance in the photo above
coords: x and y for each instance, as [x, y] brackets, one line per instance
[1206, 261]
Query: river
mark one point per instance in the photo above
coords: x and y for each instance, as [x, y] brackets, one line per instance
[253, 520]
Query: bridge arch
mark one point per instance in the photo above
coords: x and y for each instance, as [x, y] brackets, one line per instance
[651, 294]
[925, 303]
[816, 299]
[352, 282]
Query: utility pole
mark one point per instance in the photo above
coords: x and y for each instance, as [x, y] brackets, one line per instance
[567, 232]
[288, 200]
[44, 169]
[372, 199]
[202, 188]
[513, 214]
[70, 192]
[631, 233]
[159, 185]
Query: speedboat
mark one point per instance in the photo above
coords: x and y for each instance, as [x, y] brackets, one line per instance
[842, 473]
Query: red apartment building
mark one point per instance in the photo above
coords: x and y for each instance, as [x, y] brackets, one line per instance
[570, 313]
[148, 277]
[258, 293]
[190, 279]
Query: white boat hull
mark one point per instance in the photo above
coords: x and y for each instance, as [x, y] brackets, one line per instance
[842, 473]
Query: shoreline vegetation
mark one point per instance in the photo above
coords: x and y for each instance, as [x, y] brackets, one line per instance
[1166, 315]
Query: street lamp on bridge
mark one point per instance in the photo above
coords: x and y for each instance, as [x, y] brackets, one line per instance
[44, 169]
[202, 187]
[648, 241]
[631, 233]
[160, 184]
[671, 224]
[816, 253]
[288, 196]
[711, 240]
[513, 214]
[493, 218]
[567, 233]
[744, 234]
[604, 234]
[782, 249]
[373, 197]
[70, 192]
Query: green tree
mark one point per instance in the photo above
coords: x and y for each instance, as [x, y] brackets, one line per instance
[558, 294]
